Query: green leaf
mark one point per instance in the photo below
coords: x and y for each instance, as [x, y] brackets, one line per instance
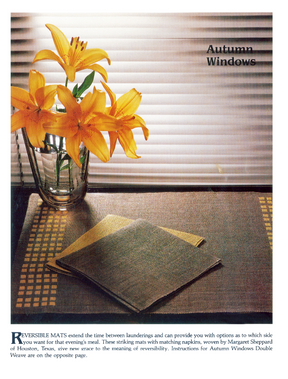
[75, 89]
[86, 84]
[66, 167]
[66, 156]
[53, 146]
[82, 159]
[63, 110]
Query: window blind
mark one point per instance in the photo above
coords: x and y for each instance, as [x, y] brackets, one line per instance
[209, 124]
[22, 55]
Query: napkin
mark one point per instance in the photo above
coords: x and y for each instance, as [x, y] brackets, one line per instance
[139, 264]
[108, 225]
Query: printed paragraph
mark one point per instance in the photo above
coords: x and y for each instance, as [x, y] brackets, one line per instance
[82, 345]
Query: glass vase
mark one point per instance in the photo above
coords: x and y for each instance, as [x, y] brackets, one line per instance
[59, 181]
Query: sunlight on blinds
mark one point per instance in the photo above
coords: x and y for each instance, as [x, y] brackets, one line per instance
[209, 124]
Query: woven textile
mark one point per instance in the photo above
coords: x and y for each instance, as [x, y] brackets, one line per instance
[139, 264]
[237, 227]
[110, 224]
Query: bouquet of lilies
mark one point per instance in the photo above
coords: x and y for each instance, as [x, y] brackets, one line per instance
[83, 118]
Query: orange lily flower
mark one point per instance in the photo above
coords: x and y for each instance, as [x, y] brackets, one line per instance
[124, 109]
[84, 122]
[73, 56]
[34, 108]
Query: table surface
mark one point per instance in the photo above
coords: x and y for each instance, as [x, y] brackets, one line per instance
[236, 226]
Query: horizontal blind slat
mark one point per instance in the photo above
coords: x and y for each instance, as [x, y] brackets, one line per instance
[208, 125]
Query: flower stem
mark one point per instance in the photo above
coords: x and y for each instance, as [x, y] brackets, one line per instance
[60, 151]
